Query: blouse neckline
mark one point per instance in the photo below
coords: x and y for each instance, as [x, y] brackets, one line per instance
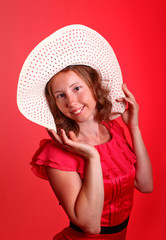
[110, 133]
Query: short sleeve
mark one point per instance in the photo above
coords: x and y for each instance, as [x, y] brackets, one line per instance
[49, 154]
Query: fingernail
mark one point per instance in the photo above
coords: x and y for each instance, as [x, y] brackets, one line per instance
[119, 99]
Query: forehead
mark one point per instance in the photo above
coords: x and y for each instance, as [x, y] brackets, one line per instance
[67, 78]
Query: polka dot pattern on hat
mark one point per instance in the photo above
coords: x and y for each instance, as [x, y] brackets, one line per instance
[71, 45]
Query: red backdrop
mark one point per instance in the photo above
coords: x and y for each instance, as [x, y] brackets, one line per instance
[136, 31]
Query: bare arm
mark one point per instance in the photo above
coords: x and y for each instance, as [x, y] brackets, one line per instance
[144, 177]
[82, 201]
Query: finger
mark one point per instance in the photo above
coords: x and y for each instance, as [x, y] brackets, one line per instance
[65, 138]
[49, 131]
[127, 92]
[132, 103]
[121, 99]
[54, 136]
[72, 136]
[125, 99]
[69, 142]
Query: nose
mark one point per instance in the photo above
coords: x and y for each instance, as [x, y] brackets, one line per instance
[71, 100]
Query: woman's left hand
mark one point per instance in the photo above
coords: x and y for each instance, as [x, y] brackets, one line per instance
[130, 116]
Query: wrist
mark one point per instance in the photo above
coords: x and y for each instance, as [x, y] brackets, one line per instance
[93, 157]
[134, 130]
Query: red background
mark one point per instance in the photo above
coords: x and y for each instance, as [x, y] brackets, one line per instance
[136, 31]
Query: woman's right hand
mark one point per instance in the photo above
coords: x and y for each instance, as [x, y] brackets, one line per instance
[82, 200]
[73, 144]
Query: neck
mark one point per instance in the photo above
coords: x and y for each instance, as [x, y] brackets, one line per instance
[91, 128]
[93, 133]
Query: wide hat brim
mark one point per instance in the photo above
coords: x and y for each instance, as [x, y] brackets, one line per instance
[70, 45]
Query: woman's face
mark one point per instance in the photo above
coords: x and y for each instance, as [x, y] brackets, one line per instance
[73, 97]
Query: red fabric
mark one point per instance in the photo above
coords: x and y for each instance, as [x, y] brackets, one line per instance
[117, 160]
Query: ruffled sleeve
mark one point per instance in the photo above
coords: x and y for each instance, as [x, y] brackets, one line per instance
[49, 154]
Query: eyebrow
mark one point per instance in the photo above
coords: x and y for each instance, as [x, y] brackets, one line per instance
[69, 87]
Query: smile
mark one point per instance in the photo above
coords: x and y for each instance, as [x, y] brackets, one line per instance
[78, 110]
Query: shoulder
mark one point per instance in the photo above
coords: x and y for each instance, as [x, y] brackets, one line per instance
[115, 128]
[49, 154]
[49, 151]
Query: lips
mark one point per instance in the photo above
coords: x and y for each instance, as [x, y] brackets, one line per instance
[77, 111]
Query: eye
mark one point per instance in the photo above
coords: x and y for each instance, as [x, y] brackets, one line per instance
[77, 88]
[61, 95]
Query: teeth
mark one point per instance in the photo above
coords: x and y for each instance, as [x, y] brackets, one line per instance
[78, 111]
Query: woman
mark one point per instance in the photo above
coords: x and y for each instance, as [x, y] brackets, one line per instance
[89, 164]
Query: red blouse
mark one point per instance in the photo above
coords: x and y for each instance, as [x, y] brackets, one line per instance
[117, 161]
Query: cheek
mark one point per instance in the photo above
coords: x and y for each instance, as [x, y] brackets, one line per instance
[87, 95]
[60, 105]
[89, 99]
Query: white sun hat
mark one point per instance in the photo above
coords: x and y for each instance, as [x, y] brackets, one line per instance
[70, 45]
